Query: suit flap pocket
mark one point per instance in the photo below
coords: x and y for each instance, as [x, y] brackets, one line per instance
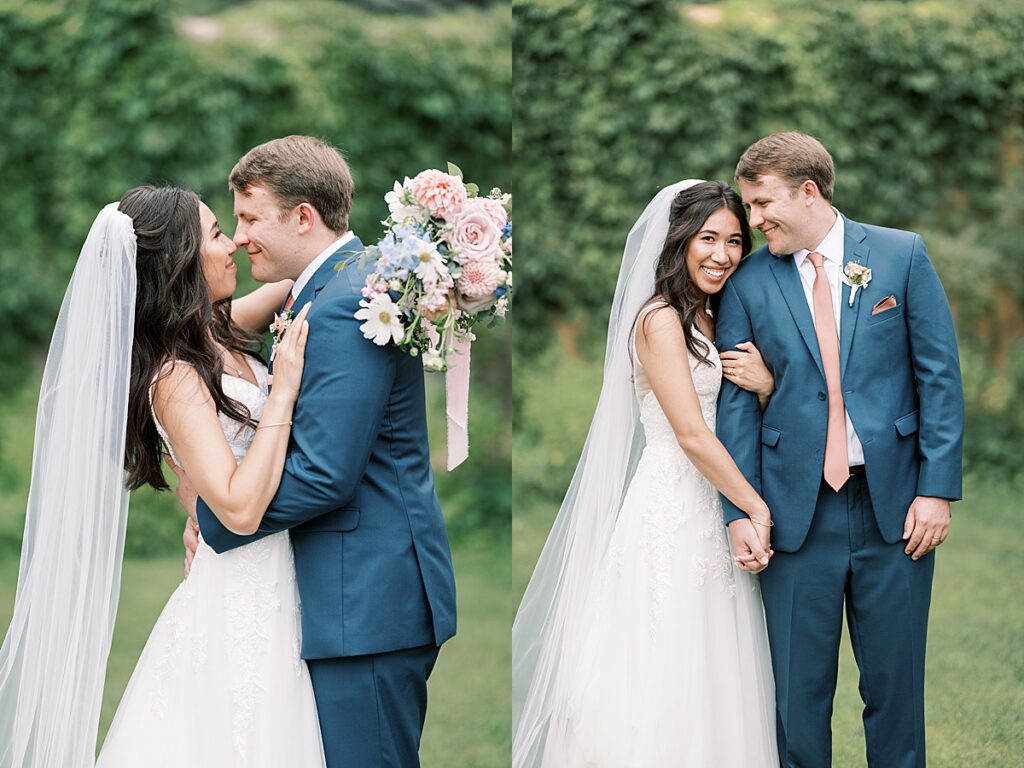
[340, 520]
[907, 425]
[770, 436]
[885, 314]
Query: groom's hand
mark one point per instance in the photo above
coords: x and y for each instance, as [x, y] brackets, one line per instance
[926, 527]
[186, 494]
[190, 538]
[748, 550]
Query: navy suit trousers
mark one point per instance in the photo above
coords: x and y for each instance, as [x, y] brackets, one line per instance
[372, 707]
[845, 562]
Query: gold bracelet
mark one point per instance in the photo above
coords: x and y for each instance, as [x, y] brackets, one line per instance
[277, 424]
[769, 524]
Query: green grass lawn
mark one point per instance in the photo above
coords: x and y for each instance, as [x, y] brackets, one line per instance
[468, 718]
[975, 665]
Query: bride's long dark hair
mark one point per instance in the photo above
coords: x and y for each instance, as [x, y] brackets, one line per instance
[175, 319]
[672, 281]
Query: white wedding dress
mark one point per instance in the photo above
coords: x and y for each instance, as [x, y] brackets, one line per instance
[670, 666]
[220, 682]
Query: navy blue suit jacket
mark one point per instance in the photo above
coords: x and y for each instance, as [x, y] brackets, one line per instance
[900, 374]
[372, 559]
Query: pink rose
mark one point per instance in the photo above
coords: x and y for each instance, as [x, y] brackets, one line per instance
[480, 278]
[475, 235]
[442, 194]
[494, 209]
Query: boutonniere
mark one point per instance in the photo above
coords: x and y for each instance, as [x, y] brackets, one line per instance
[857, 276]
[279, 327]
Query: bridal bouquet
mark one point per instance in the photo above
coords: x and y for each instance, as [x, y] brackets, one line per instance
[443, 265]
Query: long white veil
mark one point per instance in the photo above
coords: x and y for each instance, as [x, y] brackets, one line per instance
[54, 659]
[557, 592]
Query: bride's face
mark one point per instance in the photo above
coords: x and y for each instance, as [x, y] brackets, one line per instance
[217, 249]
[715, 251]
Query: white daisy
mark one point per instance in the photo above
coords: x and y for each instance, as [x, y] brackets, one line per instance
[403, 206]
[383, 320]
[429, 264]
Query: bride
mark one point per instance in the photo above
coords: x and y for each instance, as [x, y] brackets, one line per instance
[149, 353]
[640, 641]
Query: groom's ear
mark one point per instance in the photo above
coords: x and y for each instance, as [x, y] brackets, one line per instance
[308, 217]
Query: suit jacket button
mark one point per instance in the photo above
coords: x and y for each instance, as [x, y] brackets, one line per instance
[821, 395]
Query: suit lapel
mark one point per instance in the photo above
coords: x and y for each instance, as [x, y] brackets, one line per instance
[786, 275]
[854, 249]
[328, 270]
[348, 252]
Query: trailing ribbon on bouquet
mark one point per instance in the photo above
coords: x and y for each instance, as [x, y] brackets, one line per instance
[456, 386]
[456, 392]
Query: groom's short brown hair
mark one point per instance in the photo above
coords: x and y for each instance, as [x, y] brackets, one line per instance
[793, 156]
[300, 169]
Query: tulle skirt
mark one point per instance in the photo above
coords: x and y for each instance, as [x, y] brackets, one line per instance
[668, 664]
[220, 681]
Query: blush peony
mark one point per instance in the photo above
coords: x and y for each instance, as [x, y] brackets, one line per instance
[442, 194]
[480, 278]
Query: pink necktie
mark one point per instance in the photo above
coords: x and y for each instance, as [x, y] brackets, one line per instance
[288, 304]
[837, 463]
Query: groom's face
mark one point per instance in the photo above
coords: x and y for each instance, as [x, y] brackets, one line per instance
[267, 232]
[779, 211]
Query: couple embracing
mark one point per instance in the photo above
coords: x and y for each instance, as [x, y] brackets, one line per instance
[749, 474]
[318, 488]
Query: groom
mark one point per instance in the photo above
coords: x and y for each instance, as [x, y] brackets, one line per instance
[858, 452]
[372, 559]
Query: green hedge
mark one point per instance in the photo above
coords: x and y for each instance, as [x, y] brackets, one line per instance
[921, 104]
[101, 95]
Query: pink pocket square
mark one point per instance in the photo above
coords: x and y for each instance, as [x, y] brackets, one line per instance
[889, 302]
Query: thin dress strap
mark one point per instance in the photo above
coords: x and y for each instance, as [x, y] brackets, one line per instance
[159, 427]
[639, 319]
[641, 386]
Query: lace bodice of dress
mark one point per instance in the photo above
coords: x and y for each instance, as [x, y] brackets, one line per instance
[239, 436]
[707, 379]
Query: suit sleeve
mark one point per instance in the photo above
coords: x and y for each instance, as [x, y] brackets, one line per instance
[345, 388]
[739, 415]
[936, 363]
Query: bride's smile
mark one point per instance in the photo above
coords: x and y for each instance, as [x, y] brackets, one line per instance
[715, 251]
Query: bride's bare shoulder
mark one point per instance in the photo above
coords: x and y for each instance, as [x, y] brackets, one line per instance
[657, 318]
[178, 385]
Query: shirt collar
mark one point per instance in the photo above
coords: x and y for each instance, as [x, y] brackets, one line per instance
[831, 247]
[318, 262]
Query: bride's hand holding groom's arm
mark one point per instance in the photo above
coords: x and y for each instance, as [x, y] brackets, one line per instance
[237, 492]
[745, 368]
[661, 347]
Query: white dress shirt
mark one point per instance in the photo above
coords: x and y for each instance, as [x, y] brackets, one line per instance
[318, 262]
[833, 250]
